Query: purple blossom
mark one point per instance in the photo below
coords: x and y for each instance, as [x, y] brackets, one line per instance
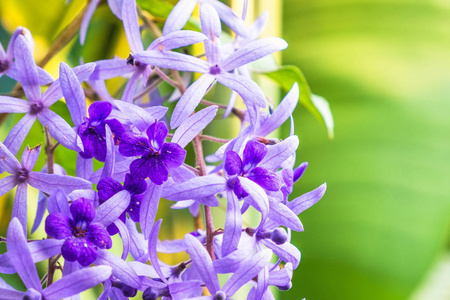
[157, 156]
[82, 236]
[92, 131]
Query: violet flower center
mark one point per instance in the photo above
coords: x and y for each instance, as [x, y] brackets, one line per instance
[79, 232]
[132, 61]
[214, 70]
[36, 107]
[22, 175]
[4, 65]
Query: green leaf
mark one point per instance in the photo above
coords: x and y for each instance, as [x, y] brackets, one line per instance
[285, 76]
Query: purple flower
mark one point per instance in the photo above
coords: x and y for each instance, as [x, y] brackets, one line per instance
[22, 175]
[108, 187]
[23, 261]
[82, 236]
[93, 132]
[157, 156]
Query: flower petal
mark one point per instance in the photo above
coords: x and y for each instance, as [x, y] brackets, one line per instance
[172, 155]
[20, 207]
[137, 115]
[83, 212]
[250, 92]
[70, 250]
[92, 6]
[108, 187]
[172, 60]
[153, 257]
[17, 135]
[233, 225]
[20, 255]
[7, 184]
[8, 161]
[305, 201]
[190, 99]
[286, 251]
[198, 187]
[133, 145]
[58, 202]
[131, 25]
[73, 93]
[77, 282]
[88, 254]
[110, 210]
[258, 195]
[30, 156]
[108, 167]
[158, 172]
[266, 179]
[58, 225]
[233, 163]
[99, 111]
[278, 153]
[13, 105]
[149, 207]
[121, 269]
[202, 262]
[193, 125]
[177, 39]
[229, 17]
[157, 133]
[28, 76]
[84, 167]
[97, 235]
[48, 183]
[179, 16]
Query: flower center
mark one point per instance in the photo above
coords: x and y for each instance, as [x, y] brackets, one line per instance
[36, 107]
[22, 175]
[214, 70]
[4, 65]
[79, 232]
[132, 61]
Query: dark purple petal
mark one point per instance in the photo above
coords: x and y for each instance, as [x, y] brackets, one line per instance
[172, 155]
[116, 128]
[233, 225]
[97, 235]
[134, 185]
[254, 153]
[99, 111]
[20, 255]
[202, 262]
[94, 143]
[83, 212]
[70, 250]
[157, 172]
[77, 282]
[107, 187]
[111, 210]
[298, 172]
[193, 125]
[190, 99]
[58, 226]
[157, 133]
[140, 167]
[237, 188]
[266, 179]
[30, 156]
[133, 145]
[87, 254]
[233, 163]
[149, 207]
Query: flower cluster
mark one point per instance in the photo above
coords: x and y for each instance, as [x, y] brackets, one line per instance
[141, 163]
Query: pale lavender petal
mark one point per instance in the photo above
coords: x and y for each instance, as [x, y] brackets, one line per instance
[43, 249]
[108, 168]
[40, 211]
[20, 210]
[286, 251]
[54, 92]
[77, 282]
[233, 225]
[86, 19]
[44, 76]
[13, 105]
[120, 170]
[190, 99]
[30, 156]
[7, 184]
[69, 268]
[171, 246]
[281, 114]
[58, 202]
[138, 245]
[229, 17]
[116, 7]
[179, 16]
[247, 271]
[110, 68]
[110, 210]
[157, 111]
[210, 22]
[281, 277]
[125, 235]
[85, 167]
[282, 215]
[20, 256]
[121, 269]
[48, 183]
[184, 290]
[257, 194]
[153, 256]
[261, 288]
[172, 60]
[193, 125]
[18, 133]
[28, 72]
[258, 25]
[73, 93]
[137, 115]
[8, 161]
[230, 104]
[61, 130]
[149, 207]
[231, 262]
[130, 88]
[278, 153]
[11, 294]
[198, 187]
[252, 52]
[307, 200]
[177, 39]
[202, 262]
[131, 25]
[250, 92]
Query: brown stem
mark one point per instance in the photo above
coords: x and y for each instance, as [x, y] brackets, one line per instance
[213, 139]
[148, 20]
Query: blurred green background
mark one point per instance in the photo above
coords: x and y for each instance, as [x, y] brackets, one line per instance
[382, 229]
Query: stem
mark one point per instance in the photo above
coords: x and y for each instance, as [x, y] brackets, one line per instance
[148, 20]
[208, 217]
[213, 139]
